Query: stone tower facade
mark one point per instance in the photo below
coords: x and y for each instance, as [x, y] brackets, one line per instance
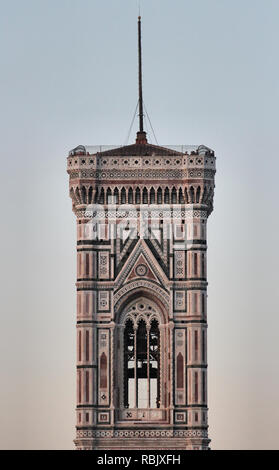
[141, 214]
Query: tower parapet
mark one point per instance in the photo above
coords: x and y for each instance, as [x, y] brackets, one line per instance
[96, 176]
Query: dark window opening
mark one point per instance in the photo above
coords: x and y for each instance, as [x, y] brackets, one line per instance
[141, 365]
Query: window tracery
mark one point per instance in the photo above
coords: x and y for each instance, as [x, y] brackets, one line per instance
[141, 356]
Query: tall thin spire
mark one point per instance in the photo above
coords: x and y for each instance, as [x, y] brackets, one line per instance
[141, 135]
[140, 77]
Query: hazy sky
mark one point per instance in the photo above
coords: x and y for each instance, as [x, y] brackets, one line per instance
[69, 77]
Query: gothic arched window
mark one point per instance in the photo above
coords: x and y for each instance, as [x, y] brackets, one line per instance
[116, 196]
[198, 194]
[90, 193]
[181, 198]
[141, 359]
[174, 196]
[138, 196]
[159, 196]
[192, 195]
[96, 196]
[167, 196]
[83, 192]
[102, 197]
[145, 196]
[109, 196]
[123, 196]
[130, 196]
[152, 196]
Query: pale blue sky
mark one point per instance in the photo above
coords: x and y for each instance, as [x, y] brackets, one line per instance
[69, 77]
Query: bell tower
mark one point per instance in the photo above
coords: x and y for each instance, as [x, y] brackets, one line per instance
[141, 213]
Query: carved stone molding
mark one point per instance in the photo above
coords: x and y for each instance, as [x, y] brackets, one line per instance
[137, 174]
[124, 292]
[89, 212]
[191, 433]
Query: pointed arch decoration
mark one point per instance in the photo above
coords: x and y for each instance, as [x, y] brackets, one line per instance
[198, 194]
[123, 196]
[145, 196]
[96, 197]
[152, 196]
[173, 196]
[83, 195]
[116, 195]
[130, 196]
[138, 196]
[180, 197]
[102, 196]
[108, 196]
[167, 196]
[90, 195]
[192, 195]
[159, 196]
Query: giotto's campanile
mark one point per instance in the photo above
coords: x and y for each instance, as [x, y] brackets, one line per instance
[141, 212]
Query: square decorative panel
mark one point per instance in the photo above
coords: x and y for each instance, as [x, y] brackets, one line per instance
[179, 264]
[179, 300]
[103, 417]
[179, 232]
[103, 303]
[180, 417]
[104, 271]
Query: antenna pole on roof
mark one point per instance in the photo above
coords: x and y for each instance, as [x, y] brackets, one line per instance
[141, 135]
[140, 77]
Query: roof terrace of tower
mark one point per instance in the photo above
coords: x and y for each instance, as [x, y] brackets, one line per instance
[89, 161]
[141, 150]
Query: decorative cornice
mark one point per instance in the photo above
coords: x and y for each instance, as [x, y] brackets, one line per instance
[87, 212]
[144, 174]
[168, 433]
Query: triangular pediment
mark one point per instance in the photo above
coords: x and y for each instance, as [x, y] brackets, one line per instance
[141, 264]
